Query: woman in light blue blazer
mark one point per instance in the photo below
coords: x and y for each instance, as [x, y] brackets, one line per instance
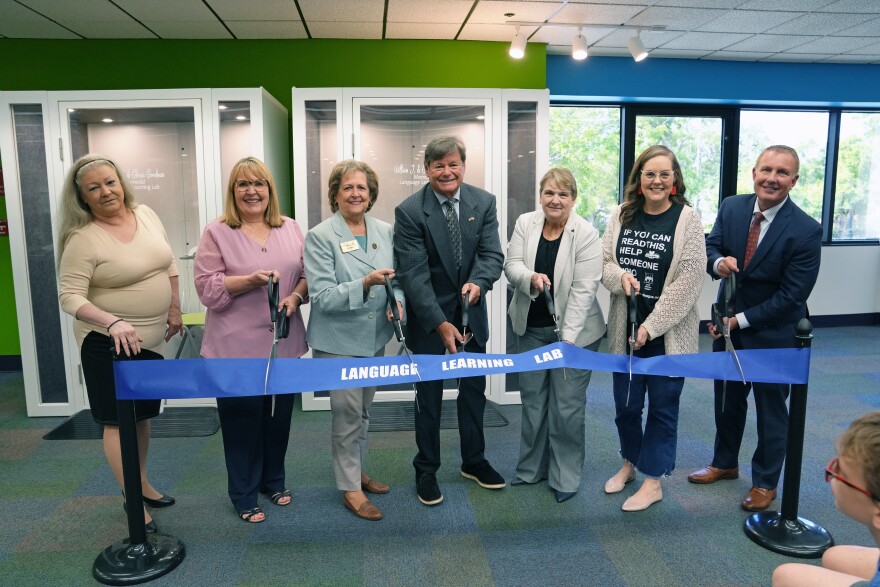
[554, 247]
[347, 258]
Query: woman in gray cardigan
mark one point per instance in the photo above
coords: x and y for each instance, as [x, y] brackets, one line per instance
[347, 258]
[553, 247]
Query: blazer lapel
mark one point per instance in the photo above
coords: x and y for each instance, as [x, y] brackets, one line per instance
[742, 221]
[533, 237]
[435, 220]
[565, 251]
[345, 235]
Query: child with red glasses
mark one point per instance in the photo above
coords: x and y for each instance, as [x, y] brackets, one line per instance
[855, 482]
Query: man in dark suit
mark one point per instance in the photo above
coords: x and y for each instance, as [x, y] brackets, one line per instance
[774, 247]
[447, 246]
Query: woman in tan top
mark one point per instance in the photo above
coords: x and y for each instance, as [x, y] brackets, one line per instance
[118, 279]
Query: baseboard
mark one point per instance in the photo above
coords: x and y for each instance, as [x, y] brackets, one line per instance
[867, 319]
[10, 362]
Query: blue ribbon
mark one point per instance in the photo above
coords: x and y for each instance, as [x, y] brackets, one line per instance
[204, 378]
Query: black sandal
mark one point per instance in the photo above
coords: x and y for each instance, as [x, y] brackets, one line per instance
[249, 515]
[279, 495]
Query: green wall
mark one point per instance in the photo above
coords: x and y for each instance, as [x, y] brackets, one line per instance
[275, 65]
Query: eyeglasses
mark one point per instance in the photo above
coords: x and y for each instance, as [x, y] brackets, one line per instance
[832, 471]
[258, 184]
[652, 175]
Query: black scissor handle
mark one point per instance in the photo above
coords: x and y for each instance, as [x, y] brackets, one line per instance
[282, 324]
[273, 290]
[548, 297]
[465, 303]
[729, 293]
[395, 313]
[633, 305]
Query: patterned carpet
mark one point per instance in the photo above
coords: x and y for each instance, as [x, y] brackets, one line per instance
[59, 506]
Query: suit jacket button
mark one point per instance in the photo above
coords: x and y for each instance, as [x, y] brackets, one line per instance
[372, 295]
[370, 315]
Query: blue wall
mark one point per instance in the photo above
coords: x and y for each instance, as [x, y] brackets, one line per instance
[620, 79]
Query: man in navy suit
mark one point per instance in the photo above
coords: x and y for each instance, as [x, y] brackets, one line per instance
[774, 247]
[447, 246]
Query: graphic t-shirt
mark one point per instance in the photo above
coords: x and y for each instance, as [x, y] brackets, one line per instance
[645, 250]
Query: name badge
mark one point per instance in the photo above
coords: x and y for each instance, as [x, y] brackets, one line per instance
[349, 246]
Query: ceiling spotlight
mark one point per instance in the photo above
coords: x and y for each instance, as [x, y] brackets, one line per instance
[222, 107]
[107, 120]
[579, 47]
[240, 117]
[518, 45]
[637, 48]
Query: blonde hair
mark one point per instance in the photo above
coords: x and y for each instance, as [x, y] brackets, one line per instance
[73, 211]
[254, 168]
[562, 177]
[861, 444]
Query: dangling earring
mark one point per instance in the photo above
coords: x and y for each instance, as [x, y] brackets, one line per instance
[674, 190]
[639, 191]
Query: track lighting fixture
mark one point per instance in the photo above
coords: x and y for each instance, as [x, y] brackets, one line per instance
[637, 48]
[579, 47]
[518, 46]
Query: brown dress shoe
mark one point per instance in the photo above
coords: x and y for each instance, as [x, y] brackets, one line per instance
[758, 499]
[373, 486]
[367, 511]
[712, 474]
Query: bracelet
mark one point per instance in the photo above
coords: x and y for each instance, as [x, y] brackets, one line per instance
[109, 326]
[302, 300]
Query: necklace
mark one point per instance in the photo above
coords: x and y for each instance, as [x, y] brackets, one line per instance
[257, 235]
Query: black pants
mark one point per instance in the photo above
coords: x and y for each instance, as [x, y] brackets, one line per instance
[254, 444]
[471, 403]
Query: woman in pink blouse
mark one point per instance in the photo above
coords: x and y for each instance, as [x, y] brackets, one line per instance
[237, 255]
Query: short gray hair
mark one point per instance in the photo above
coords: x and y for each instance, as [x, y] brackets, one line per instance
[782, 149]
[441, 146]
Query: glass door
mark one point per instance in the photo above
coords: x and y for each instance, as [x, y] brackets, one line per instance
[158, 145]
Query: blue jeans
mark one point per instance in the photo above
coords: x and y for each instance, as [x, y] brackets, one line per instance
[651, 451]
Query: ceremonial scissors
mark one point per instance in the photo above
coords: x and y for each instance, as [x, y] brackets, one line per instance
[633, 318]
[398, 327]
[465, 335]
[720, 311]
[280, 329]
[551, 308]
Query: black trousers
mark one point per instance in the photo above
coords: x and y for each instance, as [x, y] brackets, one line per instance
[471, 404]
[772, 416]
[254, 444]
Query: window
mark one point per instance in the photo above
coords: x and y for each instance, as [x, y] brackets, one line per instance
[696, 142]
[805, 132]
[586, 140]
[857, 187]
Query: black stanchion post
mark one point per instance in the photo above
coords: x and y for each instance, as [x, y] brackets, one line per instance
[785, 532]
[140, 557]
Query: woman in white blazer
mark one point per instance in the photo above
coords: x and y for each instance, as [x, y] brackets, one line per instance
[347, 258]
[554, 247]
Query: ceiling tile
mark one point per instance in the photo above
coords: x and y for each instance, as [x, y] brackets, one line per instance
[798, 57]
[699, 3]
[167, 10]
[835, 45]
[771, 43]
[188, 30]
[260, 29]
[350, 11]
[10, 11]
[737, 56]
[621, 37]
[28, 29]
[678, 53]
[409, 30]
[708, 41]
[345, 30]
[793, 5]
[492, 12]
[824, 23]
[448, 11]
[851, 59]
[596, 14]
[853, 6]
[266, 10]
[747, 21]
[556, 35]
[677, 18]
[492, 32]
[96, 29]
[78, 10]
[871, 49]
[870, 28]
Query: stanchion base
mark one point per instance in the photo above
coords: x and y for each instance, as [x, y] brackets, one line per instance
[800, 538]
[127, 564]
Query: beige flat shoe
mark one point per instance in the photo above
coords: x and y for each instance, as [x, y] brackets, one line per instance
[637, 503]
[615, 485]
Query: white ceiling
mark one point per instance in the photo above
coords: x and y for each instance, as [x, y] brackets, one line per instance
[829, 31]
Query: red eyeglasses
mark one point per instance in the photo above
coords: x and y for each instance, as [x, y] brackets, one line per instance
[832, 470]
